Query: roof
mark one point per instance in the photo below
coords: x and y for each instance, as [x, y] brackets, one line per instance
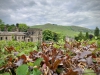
[34, 29]
[12, 33]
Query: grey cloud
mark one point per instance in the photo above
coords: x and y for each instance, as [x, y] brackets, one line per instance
[84, 5]
[64, 12]
[15, 4]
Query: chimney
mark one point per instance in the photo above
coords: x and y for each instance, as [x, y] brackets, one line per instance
[17, 27]
[5, 29]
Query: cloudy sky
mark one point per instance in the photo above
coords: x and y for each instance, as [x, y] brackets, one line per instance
[85, 13]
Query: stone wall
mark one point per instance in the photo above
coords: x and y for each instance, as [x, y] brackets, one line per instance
[33, 35]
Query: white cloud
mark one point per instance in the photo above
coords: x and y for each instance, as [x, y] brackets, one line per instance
[62, 12]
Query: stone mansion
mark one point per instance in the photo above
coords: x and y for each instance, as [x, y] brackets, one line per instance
[32, 35]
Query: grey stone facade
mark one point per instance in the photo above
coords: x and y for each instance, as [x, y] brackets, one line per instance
[32, 35]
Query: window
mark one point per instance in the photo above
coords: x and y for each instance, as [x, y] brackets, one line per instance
[0, 38]
[15, 37]
[31, 39]
[19, 37]
[32, 33]
[28, 40]
[39, 33]
[6, 38]
[29, 32]
[24, 37]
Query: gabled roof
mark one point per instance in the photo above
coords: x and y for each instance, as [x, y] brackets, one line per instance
[12, 33]
[34, 29]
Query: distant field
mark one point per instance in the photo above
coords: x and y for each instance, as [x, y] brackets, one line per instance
[65, 30]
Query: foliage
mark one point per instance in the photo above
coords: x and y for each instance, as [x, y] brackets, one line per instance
[90, 36]
[22, 70]
[23, 27]
[89, 72]
[87, 35]
[98, 43]
[6, 73]
[49, 35]
[56, 37]
[11, 27]
[21, 47]
[36, 72]
[75, 58]
[80, 36]
[76, 38]
[37, 62]
[1, 25]
[1, 22]
[65, 30]
[96, 31]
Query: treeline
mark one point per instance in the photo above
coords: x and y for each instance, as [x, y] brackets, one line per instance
[22, 27]
[87, 36]
[49, 35]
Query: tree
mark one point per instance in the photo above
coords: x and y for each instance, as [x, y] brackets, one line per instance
[86, 35]
[96, 31]
[47, 35]
[11, 27]
[90, 36]
[76, 38]
[80, 36]
[23, 27]
[56, 36]
[1, 22]
[2, 26]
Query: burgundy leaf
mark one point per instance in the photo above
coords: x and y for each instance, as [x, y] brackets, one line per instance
[56, 63]
[23, 57]
[46, 59]
[71, 72]
[54, 52]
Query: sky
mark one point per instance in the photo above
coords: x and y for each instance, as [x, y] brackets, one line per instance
[84, 13]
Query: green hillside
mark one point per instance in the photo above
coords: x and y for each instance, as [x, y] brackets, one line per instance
[65, 30]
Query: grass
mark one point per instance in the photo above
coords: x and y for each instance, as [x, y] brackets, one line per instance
[65, 30]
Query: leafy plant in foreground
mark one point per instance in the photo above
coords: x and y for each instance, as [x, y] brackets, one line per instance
[22, 70]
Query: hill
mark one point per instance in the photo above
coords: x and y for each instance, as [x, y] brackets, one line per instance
[65, 30]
